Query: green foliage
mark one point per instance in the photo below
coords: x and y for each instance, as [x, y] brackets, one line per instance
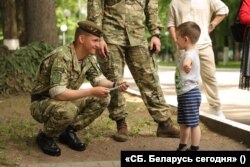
[17, 69]
[167, 46]
[77, 12]
[230, 64]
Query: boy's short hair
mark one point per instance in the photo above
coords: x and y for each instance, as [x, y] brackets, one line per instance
[189, 29]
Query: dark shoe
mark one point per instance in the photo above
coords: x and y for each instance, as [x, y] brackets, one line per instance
[167, 129]
[182, 149]
[189, 149]
[69, 138]
[193, 148]
[48, 145]
[122, 131]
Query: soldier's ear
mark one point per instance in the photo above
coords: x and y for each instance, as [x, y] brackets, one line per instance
[82, 38]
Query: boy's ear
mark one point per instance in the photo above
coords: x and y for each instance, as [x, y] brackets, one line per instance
[186, 38]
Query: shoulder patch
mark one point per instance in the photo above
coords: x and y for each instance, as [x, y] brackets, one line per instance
[56, 75]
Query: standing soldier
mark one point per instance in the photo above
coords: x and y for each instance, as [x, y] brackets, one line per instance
[125, 40]
[57, 101]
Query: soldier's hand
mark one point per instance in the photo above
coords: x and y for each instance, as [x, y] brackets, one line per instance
[100, 92]
[156, 44]
[103, 49]
[122, 86]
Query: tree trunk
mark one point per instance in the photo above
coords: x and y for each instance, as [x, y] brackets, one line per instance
[9, 24]
[20, 18]
[41, 21]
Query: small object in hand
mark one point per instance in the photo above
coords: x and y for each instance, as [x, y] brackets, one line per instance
[153, 49]
[112, 89]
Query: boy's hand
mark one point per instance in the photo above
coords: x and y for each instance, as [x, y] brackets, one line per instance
[187, 68]
[187, 64]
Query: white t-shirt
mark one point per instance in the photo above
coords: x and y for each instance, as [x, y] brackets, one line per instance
[199, 11]
[185, 82]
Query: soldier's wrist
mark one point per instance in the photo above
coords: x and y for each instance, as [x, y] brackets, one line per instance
[114, 84]
[156, 35]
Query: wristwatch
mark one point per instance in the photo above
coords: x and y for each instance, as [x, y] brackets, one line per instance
[156, 35]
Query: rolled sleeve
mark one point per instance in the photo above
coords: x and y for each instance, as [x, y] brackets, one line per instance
[56, 91]
[171, 17]
[98, 80]
[220, 7]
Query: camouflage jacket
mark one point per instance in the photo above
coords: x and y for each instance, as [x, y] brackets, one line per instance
[124, 21]
[61, 68]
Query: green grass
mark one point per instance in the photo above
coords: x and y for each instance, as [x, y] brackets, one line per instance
[161, 63]
[18, 129]
[230, 64]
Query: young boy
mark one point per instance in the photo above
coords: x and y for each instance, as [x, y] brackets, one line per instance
[187, 81]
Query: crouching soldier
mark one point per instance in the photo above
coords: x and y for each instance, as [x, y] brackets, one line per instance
[57, 100]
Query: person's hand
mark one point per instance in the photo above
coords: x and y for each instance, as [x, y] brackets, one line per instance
[211, 27]
[187, 68]
[100, 92]
[122, 86]
[103, 49]
[187, 64]
[155, 44]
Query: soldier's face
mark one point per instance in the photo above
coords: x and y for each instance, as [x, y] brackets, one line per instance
[91, 44]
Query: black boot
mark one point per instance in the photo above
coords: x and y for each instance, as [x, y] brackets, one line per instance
[69, 138]
[48, 145]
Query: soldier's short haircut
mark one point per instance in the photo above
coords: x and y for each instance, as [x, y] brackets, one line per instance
[189, 29]
[79, 32]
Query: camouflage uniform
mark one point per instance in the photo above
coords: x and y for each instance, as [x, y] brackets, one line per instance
[123, 22]
[62, 69]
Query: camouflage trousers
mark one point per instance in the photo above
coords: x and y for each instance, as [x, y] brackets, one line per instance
[143, 68]
[58, 115]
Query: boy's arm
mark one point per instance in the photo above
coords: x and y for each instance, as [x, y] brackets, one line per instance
[187, 64]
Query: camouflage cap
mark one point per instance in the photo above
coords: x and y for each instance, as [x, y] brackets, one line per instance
[90, 27]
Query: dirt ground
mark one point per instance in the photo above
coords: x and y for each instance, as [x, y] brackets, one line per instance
[18, 131]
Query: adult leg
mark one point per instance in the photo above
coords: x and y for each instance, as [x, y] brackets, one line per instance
[113, 68]
[56, 116]
[143, 69]
[89, 109]
[209, 82]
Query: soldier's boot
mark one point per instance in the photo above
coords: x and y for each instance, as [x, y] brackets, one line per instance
[69, 138]
[122, 131]
[48, 145]
[167, 129]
